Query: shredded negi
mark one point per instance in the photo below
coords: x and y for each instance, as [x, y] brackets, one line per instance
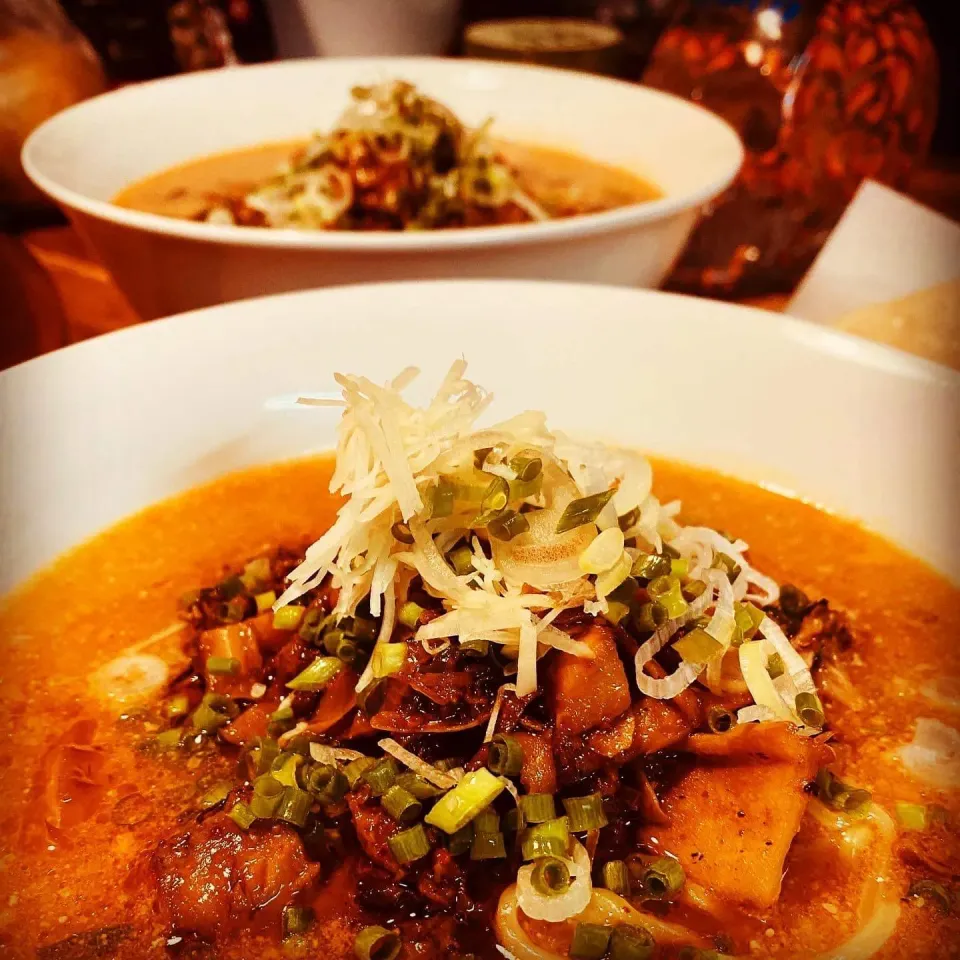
[395, 160]
[484, 660]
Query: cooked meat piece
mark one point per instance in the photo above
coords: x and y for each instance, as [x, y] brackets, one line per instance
[238, 642]
[444, 883]
[930, 851]
[216, 877]
[740, 802]
[539, 772]
[589, 693]
[374, 826]
[814, 629]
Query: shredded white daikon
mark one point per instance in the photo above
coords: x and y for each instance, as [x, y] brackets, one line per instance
[326, 754]
[437, 777]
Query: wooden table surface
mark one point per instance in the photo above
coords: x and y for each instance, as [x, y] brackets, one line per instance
[90, 303]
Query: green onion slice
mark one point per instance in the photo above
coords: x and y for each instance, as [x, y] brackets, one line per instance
[294, 806]
[460, 842]
[837, 795]
[538, 807]
[317, 675]
[506, 755]
[550, 876]
[296, 921]
[585, 813]
[242, 816]
[401, 532]
[440, 497]
[409, 614]
[930, 890]
[584, 510]
[488, 846]
[527, 465]
[486, 821]
[809, 709]
[650, 566]
[630, 942]
[720, 720]
[475, 792]
[697, 646]
[461, 559]
[548, 839]
[287, 618]
[216, 795]
[409, 845]
[662, 878]
[355, 770]
[507, 525]
[590, 941]
[616, 877]
[376, 943]
[419, 787]
[388, 659]
[667, 590]
[381, 775]
[402, 805]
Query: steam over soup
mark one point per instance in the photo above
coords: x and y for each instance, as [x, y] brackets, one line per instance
[396, 160]
[512, 697]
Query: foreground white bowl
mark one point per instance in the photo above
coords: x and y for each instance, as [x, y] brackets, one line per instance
[85, 155]
[94, 432]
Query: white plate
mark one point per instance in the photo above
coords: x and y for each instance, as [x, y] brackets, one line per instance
[85, 155]
[97, 431]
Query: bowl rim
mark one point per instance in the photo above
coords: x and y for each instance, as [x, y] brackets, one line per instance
[584, 225]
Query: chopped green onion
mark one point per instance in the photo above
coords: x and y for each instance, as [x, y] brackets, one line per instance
[488, 846]
[630, 942]
[439, 498]
[402, 805]
[409, 614]
[506, 755]
[508, 525]
[837, 795]
[420, 788]
[313, 624]
[362, 629]
[549, 839]
[538, 807]
[630, 519]
[550, 877]
[590, 941]
[380, 776]
[912, 816]
[725, 562]
[692, 589]
[317, 675]
[625, 593]
[748, 619]
[233, 611]
[177, 706]
[616, 612]
[355, 770]
[284, 768]
[697, 646]
[283, 713]
[347, 650]
[376, 943]
[267, 794]
[216, 795]
[495, 497]
[486, 821]
[388, 659]
[294, 806]
[679, 568]
[461, 559]
[265, 600]
[650, 566]
[242, 816]
[584, 510]
[585, 813]
[720, 720]
[324, 781]
[475, 792]
[256, 573]
[260, 756]
[616, 877]
[296, 921]
[460, 842]
[332, 640]
[775, 666]
[370, 698]
[662, 878]
[527, 465]
[169, 739]
[667, 590]
[933, 891]
[477, 647]
[401, 532]
[288, 617]
[522, 490]
[223, 665]
[649, 616]
[231, 587]
[214, 711]
[409, 845]
[809, 709]
[513, 821]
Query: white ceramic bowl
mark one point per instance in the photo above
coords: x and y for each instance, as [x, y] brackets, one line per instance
[84, 156]
[99, 430]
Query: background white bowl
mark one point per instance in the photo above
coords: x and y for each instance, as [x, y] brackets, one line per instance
[94, 432]
[85, 155]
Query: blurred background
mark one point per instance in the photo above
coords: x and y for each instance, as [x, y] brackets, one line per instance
[823, 93]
